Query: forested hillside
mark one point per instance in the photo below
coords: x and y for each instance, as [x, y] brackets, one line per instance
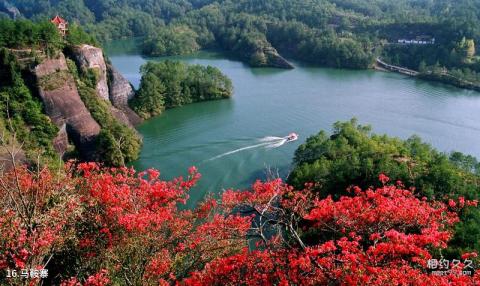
[338, 33]
[55, 99]
[55, 91]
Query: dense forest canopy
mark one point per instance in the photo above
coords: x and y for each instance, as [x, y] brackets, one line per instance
[171, 83]
[338, 33]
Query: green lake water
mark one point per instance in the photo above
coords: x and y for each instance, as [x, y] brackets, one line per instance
[272, 102]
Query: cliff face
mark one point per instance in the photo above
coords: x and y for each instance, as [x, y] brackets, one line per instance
[89, 57]
[60, 143]
[111, 84]
[64, 106]
[121, 92]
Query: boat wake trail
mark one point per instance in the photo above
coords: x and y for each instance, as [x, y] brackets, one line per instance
[269, 142]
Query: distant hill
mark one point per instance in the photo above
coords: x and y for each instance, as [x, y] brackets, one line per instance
[337, 33]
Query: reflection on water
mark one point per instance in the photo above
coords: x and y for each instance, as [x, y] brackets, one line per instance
[271, 102]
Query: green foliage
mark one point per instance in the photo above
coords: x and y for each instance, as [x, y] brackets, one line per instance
[338, 33]
[22, 113]
[77, 36]
[169, 41]
[117, 144]
[124, 22]
[150, 99]
[73, 10]
[352, 155]
[171, 83]
[54, 80]
[24, 34]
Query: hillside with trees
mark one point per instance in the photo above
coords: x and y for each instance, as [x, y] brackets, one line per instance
[32, 97]
[336, 33]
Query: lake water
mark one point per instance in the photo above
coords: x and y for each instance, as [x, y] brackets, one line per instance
[272, 102]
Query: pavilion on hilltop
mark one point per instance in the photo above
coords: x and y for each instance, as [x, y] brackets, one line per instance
[61, 24]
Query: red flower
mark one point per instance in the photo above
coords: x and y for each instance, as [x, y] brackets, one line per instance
[383, 178]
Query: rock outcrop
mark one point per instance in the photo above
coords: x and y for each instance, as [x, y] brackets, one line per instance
[111, 85]
[90, 57]
[64, 106]
[121, 91]
[274, 59]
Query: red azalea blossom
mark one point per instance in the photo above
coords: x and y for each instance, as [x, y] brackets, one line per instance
[121, 223]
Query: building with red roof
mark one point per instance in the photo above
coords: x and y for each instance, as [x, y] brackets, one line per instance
[61, 24]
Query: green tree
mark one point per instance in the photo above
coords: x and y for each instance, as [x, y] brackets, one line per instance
[170, 84]
[150, 99]
[422, 67]
[169, 41]
[352, 155]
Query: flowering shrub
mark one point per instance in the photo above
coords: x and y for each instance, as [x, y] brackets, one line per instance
[132, 226]
[375, 237]
[126, 228]
[37, 213]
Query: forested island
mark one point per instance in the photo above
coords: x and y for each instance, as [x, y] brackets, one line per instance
[170, 84]
[436, 38]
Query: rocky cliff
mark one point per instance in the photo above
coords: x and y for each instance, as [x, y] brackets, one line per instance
[90, 57]
[64, 106]
[111, 85]
[121, 92]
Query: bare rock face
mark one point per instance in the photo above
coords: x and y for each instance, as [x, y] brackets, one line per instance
[90, 57]
[121, 116]
[64, 106]
[121, 92]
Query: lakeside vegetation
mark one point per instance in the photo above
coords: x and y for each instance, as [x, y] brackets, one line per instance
[353, 156]
[335, 33]
[113, 226]
[170, 84]
[179, 40]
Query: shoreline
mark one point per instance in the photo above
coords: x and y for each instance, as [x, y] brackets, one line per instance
[431, 77]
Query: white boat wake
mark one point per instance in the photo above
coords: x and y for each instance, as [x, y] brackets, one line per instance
[269, 142]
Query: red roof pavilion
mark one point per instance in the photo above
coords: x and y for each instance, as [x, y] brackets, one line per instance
[61, 24]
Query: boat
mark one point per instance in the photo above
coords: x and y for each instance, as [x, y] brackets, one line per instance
[292, 137]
